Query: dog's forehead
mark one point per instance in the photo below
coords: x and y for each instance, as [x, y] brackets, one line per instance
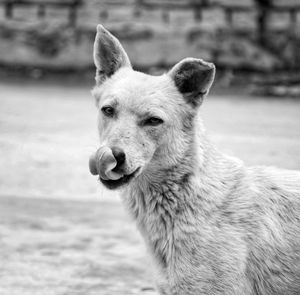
[135, 87]
[140, 92]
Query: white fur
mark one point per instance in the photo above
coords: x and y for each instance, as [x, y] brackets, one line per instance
[212, 225]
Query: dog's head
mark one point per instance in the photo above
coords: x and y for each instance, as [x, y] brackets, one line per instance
[145, 122]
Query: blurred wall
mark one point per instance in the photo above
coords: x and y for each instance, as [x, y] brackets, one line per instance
[155, 35]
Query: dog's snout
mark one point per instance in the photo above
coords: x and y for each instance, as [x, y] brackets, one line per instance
[120, 157]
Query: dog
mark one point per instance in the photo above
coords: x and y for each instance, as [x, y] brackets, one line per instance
[212, 225]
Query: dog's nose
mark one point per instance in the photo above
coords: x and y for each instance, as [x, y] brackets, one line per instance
[120, 157]
[103, 162]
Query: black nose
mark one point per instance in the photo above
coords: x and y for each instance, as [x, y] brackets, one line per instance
[120, 158]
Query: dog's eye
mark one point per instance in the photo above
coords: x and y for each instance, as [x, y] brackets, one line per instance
[108, 111]
[153, 121]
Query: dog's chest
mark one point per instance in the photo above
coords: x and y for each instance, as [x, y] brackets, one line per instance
[157, 212]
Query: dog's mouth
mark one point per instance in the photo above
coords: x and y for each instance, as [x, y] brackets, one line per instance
[114, 184]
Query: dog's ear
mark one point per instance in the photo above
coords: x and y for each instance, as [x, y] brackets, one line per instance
[193, 78]
[109, 55]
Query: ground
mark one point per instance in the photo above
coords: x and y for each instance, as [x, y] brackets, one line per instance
[60, 232]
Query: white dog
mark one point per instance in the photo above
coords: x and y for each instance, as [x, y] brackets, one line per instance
[212, 225]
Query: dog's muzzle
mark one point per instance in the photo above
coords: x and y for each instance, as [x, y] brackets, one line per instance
[102, 163]
[108, 164]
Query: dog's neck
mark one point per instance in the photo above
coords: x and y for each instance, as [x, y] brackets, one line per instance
[197, 179]
[195, 187]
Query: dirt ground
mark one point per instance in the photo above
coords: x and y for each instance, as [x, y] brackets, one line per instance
[60, 232]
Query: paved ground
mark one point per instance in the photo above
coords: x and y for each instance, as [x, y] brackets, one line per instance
[60, 233]
[69, 248]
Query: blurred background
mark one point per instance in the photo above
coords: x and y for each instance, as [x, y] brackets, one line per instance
[60, 231]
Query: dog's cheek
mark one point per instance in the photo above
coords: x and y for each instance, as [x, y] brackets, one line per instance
[187, 123]
[104, 126]
[147, 144]
[101, 124]
[156, 134]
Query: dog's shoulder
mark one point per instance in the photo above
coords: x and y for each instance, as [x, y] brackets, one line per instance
[275, 198]
[274, 237]
[276, 183]
[265, 200]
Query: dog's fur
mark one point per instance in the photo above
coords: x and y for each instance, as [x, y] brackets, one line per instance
[212, 225]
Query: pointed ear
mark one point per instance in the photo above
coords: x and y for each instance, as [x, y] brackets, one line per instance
[109, 55]
[193, 78]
